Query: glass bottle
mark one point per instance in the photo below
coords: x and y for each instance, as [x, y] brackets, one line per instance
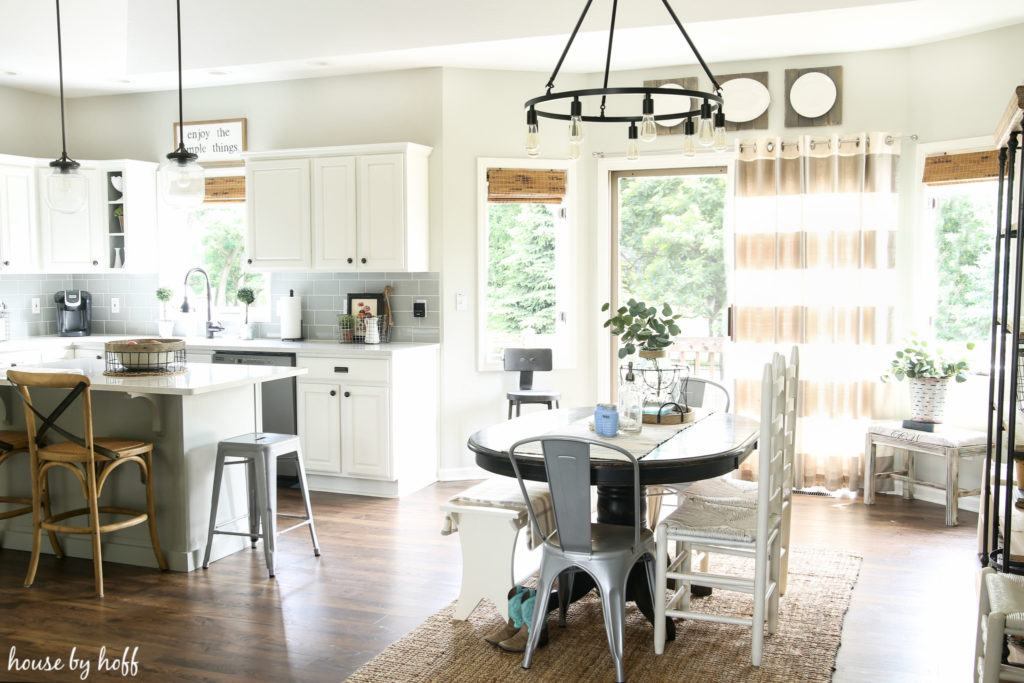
[631, 403]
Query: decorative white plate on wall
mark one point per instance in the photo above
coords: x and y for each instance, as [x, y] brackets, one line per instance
[665, 104]
[812, 95]
[745, 99]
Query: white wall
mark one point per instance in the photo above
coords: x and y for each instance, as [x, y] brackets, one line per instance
[953, 89]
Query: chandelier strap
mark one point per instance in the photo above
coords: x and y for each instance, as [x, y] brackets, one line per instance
[696, 53]
[608, 57]
[572, 36]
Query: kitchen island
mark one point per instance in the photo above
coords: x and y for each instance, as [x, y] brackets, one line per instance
[185, 416]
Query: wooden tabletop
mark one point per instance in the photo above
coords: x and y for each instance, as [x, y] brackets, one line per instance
[713, 446]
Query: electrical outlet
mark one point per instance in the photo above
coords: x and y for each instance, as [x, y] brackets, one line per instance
[35, 305]
[460, 302]
[115, 305]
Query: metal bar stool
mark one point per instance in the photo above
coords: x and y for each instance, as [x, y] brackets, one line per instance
[259, 452]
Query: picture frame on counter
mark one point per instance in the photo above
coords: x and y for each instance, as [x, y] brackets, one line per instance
[218, 143]
[368, 305]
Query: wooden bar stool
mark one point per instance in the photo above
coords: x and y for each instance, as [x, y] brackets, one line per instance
[12, 443]
[91, 460]
[259, 452]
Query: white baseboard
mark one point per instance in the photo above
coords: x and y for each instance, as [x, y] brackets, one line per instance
[462, 473]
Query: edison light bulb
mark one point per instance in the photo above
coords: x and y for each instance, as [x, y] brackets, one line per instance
[648, 129]
[632, 144]
[576, 122]
[705, 131]
[719, 143]
[689, 145]
[575, 150]
[532, 133]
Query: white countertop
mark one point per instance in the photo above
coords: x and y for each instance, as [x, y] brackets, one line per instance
[200, 378]
[306, 348]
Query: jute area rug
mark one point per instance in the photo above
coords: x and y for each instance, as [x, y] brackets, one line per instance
[802, 649]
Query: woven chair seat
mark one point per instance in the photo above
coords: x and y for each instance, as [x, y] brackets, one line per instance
[725, 490]
[67, 451]
[715, 520]
[1006, 595]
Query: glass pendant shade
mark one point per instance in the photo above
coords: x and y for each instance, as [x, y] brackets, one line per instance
[182, 182]
[66, 189]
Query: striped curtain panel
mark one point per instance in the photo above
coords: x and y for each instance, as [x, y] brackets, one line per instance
[816, 222]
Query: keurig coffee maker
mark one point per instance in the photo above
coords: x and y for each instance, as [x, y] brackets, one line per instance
[74, 313]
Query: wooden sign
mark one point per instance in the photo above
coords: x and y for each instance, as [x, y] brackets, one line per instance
[218, 143]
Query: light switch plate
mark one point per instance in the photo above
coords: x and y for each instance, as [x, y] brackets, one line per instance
[115, 305]
[35, 305]
[460, 302]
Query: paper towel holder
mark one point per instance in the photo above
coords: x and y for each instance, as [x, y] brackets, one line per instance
[280, 312]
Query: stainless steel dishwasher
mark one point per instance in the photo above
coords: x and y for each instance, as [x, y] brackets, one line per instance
[278, 399]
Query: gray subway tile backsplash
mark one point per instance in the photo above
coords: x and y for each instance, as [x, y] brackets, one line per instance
[324, 296]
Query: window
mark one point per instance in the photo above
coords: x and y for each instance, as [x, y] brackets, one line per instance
[524, 271]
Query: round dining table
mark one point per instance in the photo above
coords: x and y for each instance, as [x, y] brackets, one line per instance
[714, 445]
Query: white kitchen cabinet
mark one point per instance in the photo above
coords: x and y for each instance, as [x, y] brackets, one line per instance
[359, 208]
[19, 225]
[369, 426]
[319, 422]
[71, 242]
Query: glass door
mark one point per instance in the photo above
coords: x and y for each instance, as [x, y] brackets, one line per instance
[669, 245]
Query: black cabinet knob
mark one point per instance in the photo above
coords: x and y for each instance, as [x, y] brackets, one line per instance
[333, 392]
[7, 263]
[350, 260]
[95, 263]
[249, 261]
[362, 260]
[99, 357]
[347, 394]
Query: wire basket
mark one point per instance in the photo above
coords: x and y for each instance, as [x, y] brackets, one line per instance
[136, 357]
[353, 330]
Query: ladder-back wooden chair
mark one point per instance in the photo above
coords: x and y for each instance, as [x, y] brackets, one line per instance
[91, 460]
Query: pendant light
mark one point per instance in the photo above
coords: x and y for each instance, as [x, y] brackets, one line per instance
[181, 178]
[66, 188]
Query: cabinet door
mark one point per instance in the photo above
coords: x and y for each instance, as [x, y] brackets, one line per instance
[277, 197]
[319, 425]
[365, 432]
[70, 240]
[18, 224]
[382, 239]
[334, 213]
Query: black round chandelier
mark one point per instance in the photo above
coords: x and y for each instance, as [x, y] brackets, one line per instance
[704, 126]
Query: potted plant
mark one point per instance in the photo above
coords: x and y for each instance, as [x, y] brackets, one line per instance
[638, 326]
[928, 373]
[346, 327]
[119, 215]
[246, 295]
[165, 325]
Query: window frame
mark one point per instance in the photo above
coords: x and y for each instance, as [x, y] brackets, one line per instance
[563, 356]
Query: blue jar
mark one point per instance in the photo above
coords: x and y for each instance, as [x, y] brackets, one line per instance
[606, 419]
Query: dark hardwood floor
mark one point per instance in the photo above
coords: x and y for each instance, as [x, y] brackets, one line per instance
[385, 568]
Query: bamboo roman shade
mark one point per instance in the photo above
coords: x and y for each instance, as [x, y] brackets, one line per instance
[230, 188]
[542, 186]
[947, 169]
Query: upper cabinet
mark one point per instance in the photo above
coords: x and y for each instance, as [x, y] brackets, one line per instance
[116, 229]
[360, 208]
[19, 224]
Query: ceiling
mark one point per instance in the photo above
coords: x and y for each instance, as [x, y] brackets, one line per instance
[121, 46]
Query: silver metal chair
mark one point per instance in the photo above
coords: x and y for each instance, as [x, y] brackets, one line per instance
[259, 452]
[607, 552]
[526, 362]
[709, 396]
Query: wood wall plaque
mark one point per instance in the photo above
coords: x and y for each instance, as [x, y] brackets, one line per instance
[811, 96]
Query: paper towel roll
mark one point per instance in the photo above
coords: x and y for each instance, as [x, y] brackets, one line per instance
[289, 308]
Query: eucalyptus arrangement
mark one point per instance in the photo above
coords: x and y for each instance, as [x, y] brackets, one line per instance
[639, 326]
[917, 361]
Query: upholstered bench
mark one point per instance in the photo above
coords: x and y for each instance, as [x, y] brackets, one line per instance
[488, 518]
[949, 442]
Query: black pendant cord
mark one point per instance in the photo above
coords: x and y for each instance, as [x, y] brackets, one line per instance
[608, 57]
[565, 51]
[65, 161]
[696, 53]
[181, 153]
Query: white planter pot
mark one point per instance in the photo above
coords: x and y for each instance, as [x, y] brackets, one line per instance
[246, 330]
[928, 398]
[165, 328]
